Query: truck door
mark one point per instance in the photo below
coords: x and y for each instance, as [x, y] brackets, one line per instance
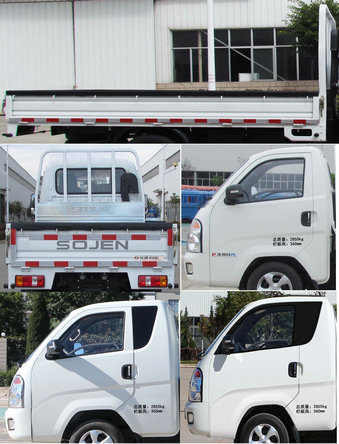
[273, 218]
[94, 371]
[262, 369]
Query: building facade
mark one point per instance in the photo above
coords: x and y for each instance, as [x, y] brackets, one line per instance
[148, 44]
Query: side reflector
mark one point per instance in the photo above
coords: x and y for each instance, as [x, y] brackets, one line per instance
[29, 281]
[152, 281]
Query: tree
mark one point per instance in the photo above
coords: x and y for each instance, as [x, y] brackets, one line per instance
[60, 305]
[38, 325]
[217, 180]
[302, 22]
[13, 324]
[185, 335]
[15, 209]
[227, 307]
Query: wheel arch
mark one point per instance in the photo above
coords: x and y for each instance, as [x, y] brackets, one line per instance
[291, 261]
[273, 409]
[96, 415]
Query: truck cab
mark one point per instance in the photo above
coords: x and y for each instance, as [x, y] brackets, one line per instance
[269, 227]
[269, 375]
[107, 372]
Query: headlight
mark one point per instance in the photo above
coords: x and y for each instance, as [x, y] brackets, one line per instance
[16, 393]
[195, 390]
[194, 237]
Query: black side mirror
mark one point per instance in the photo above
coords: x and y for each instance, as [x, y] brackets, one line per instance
[227, 344]
[53, 350]
[233, 193]
[128, 184]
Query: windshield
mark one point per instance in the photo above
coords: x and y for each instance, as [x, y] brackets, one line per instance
[222, 333]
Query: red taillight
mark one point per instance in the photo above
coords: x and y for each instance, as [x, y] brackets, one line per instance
[197, 374]
[152, 281]
[29, 281]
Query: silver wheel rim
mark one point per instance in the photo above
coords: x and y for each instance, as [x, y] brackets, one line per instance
[274, 281]
[95, 436]
[264, 433]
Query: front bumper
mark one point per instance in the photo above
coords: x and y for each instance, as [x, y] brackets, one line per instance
[18, 424]
[196, 415]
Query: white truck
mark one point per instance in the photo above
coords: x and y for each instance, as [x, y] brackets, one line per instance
[107, 373]
[270, 226]
[269, 375]
[90, 230]
[187, 116]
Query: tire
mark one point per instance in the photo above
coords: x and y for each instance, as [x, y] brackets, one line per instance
[96, 432]
[274, 276]
[264, 427]
[152, 138]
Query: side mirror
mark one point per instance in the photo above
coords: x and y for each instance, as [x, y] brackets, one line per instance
[227, 345]
[233, 193]
[128, 184]
[53, 350]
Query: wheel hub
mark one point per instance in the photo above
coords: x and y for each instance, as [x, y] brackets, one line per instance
[274, 281]
[264, 433]
[95, 436]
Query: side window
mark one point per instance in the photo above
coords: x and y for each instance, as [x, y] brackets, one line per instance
[100, 333]
[271, 327]
[143, 323]
[275, 179]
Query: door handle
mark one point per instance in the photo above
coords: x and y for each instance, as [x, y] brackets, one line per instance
[292, 369]
[126, 371]
[306, 219]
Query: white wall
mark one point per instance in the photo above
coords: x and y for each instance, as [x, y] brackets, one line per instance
[171, 176]
[114, 45]
[37, 49]
[21, 184]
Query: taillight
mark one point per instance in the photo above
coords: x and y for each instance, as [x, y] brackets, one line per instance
[195, 390]
[152, 281]
[194, 237]
[29, 281]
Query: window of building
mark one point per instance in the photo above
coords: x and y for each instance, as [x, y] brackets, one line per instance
[264, 53]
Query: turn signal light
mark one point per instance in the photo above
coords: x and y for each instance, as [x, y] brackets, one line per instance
[152, 281]
[29, 281]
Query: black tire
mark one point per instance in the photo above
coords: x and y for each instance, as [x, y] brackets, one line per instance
[265, 424]
[152, 138]
[274, 276]
[100, 430]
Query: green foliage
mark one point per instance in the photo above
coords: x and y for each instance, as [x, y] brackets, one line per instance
[227, 308]
[38, 325]
[302, 22]
[174, 199]
[185, 335]
[15, 208]
[60, 305]
[217, 180]
[7, 376]
[12, 314]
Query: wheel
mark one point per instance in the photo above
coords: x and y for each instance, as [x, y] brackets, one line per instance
[264, 428]
[97, 432]
[274, 276]
[151, 138]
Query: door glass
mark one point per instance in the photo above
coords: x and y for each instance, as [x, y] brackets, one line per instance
[276, 179]
[266, 328]
[101, 333]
